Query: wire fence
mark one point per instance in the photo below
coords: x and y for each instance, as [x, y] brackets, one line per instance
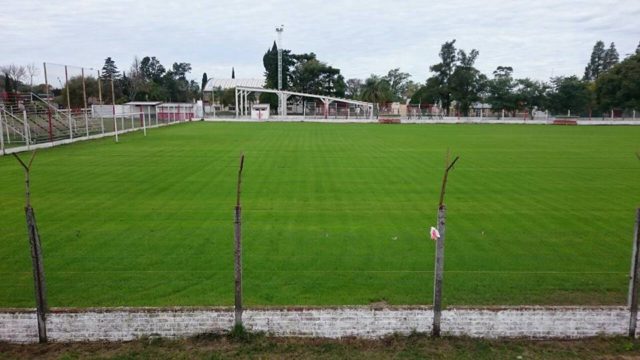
[29, 122]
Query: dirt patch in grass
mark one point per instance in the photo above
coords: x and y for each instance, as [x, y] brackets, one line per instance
[259, 346]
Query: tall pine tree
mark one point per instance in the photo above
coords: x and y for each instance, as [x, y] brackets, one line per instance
[270, 62]
[205, 80]
[611, 57]
[110, 70]
[596, 63]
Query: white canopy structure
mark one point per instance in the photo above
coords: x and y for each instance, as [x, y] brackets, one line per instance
[243, 108]
[223, 84]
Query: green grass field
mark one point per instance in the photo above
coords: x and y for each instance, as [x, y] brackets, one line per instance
[333, 214]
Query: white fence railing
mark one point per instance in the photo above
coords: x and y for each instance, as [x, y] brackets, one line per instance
[46, 129]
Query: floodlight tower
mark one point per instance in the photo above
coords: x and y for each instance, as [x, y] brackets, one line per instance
[281, 98]
[279, 30]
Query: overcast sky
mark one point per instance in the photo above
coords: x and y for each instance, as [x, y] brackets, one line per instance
[538, 39]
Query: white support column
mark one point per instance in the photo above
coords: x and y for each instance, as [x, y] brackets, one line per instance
[213, 103]
[279, 102]
[325, 110]
[236, 105]
[144, 124]
[26, 128]
[115, 125]
[285, 97]
[246, 103]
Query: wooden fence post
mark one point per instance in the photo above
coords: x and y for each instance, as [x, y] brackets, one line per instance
[439, 269]
[238, 250]
[439, 262]
[632, 299]
[36, 255]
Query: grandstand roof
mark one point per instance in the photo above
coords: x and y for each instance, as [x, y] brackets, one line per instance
[231, 83]
[144, 103]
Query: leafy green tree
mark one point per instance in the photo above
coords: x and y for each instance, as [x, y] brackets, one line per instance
[501, 90]
[569, 93]
[611, 57]
[75, 91]
[466, 82]
[530, 94]
[398, 82]
[596, 63]
[176, 83]
[353, 88]
[620, 86]
[124, 86]
[443, 72]
[638, 49]
[376, 90]
[314, 77]
[410, 89]
[427, 94]
[270, 62]
[110, 70]
[151, 68]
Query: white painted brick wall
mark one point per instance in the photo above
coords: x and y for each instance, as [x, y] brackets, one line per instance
[339, 322]
[18, 326]
[128, 324]
[559, 322]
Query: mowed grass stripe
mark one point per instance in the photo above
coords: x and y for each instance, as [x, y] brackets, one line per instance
[332, 214]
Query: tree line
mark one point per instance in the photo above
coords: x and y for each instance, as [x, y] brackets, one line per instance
[455, 84]
[146, 80]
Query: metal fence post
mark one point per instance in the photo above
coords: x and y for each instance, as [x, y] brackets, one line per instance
[238, 250]
[439, 261]
[36, 254]
[439, 269]
[632, 299]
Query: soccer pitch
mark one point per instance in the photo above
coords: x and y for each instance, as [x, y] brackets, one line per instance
[333, 214]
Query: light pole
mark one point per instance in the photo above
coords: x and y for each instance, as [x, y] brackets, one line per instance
[279, 30]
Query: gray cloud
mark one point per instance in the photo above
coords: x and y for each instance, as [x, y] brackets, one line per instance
[538, 38]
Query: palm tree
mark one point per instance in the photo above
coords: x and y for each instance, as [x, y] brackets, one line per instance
[376, 90]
